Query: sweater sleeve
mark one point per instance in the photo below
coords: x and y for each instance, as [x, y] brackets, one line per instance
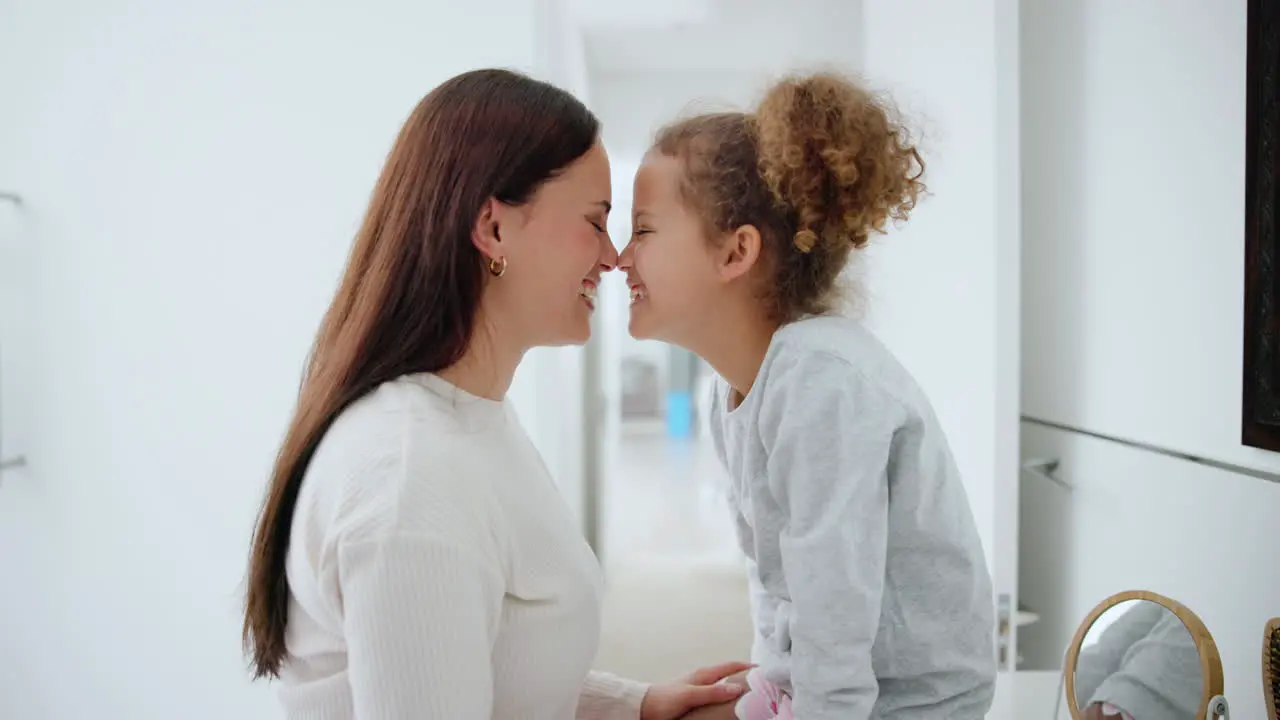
[608, 697]
[421, 615]
[827, 435]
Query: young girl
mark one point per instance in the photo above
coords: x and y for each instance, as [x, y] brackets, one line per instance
[869, 588]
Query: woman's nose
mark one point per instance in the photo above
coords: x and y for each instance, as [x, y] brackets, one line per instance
[625, 258]
[608, 254]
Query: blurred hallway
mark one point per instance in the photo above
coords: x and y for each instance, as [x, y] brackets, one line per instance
[677, 595]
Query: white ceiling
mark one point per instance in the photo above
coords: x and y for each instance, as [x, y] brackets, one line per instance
[720, 35]
[601, 14]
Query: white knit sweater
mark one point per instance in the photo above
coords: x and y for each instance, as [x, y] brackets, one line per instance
[436, 572]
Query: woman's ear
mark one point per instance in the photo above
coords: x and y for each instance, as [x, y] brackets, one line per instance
[486, 234]
[739, 252]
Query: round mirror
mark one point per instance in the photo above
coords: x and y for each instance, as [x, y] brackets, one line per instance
[1142, 656]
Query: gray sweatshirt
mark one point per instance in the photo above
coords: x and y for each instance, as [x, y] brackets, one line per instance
[1146, 664]
[870, 591]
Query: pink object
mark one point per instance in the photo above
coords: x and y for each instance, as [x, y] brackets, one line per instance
[764, 700]
[1110, 709]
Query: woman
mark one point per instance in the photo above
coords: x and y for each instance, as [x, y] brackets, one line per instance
[413, 558]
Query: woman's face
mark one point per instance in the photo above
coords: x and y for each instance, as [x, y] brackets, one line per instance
[670, 264]
[555, 246]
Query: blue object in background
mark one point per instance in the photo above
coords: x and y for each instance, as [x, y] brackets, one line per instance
[679, 414]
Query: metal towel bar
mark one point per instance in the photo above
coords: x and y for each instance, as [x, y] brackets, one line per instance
[1044, 469]
[10, 463]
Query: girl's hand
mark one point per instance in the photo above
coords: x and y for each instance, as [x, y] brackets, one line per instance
[703, 687]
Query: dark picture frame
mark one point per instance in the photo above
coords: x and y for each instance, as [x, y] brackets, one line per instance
[1260, 421]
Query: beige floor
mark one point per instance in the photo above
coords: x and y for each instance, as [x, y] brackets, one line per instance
[677, 596]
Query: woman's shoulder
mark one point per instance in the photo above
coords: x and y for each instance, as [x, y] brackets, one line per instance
[397, 461]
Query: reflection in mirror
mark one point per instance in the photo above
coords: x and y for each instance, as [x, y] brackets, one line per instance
[1138, 661]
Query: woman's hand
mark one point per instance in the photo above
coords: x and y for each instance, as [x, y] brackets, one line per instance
[703, 687]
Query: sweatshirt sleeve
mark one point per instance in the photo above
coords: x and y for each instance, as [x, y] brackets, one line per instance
[1160, 674]
[608, 697]
[827, 434]
[421, 615]
[1102, 659]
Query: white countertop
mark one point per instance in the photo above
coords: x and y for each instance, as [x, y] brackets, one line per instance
[1027, 695]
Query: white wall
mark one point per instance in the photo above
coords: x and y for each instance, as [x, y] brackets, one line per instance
[1141, 521]
[1134, 275]
[1133, 270]
[194, 174]
[941, 290]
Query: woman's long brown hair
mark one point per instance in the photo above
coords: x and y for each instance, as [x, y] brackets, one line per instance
[408, 299]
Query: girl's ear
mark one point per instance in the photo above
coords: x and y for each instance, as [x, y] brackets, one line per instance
[739, 252]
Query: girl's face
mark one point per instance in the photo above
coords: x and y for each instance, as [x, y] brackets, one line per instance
[672, 268]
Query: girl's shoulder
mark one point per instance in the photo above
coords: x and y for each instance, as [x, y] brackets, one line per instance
[829, 352]
[833, 343]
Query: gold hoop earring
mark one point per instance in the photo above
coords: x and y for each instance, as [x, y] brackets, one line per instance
[497, 266]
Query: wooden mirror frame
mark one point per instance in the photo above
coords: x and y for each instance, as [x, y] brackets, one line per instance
[1210, 660]
[1270, 680]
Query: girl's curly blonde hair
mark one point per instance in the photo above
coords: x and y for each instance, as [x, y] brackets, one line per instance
[819, 166]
